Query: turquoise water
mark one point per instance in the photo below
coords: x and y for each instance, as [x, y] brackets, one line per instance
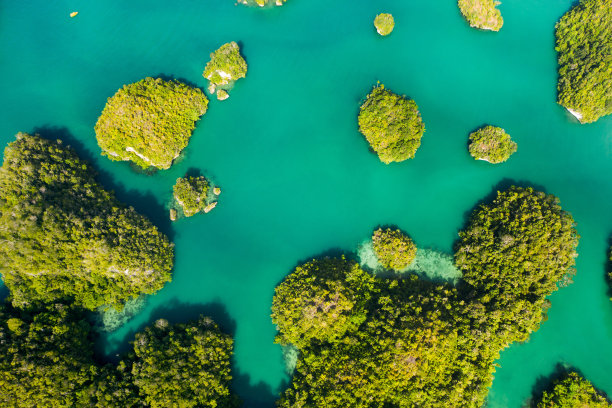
[297, 178]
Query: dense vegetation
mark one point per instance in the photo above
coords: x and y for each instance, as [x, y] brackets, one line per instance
[47, 361]
[149, 122]
[572, 391]
[369, 342]
[66, 238]
[393, 248]
[585, 67]
[391, 124]
[491, 144]
[482, 14]
[226, 65]
[191, 193]
[384, 23]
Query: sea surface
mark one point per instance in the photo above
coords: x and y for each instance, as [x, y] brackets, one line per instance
[297, 178]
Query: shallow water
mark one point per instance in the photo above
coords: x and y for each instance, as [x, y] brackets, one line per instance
[297, 178]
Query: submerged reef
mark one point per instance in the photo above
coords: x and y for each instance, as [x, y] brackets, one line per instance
[226, 66]
[491, 144]
[149, 122]
[584, 47]
[65, 237]
[391, 124]
[371, 341]
[384, 24]
[482, 14]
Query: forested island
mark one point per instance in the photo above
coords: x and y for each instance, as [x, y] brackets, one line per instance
[48, 361]
[572, 391]
[391, 124]
[384, 24]
[226, 66]
[150, 122]
[368, 341]
[585, 68]
[394, 249]
[194, 195]
[482, 14]
[491, 144]
[65, 238]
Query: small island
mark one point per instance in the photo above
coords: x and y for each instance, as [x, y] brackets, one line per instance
[263, 3]
[384, 24]
[65, 237]
[482, 14]
[572, 391]
[391, 124]
[192, 195]
[226, 66]
[585, 68]
[394, 249]
[150, 122]
[491, 144]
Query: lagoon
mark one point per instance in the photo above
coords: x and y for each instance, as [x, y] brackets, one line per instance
[297, 177]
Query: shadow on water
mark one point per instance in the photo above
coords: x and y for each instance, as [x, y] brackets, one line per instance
[259, 395]
[545, 383]
[167, 77]
[4, 292]
[144, 203]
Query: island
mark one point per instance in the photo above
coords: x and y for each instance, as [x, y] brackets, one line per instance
[384, 24]
[48, 361]
[263, 3]
[149, 122]
[394, 249]
[491, 144]
[482, 14]
[193, 195]
[65, 237]
[226, 66]
[572, 391]
[391, 124]
[584, 47]
[411, 342]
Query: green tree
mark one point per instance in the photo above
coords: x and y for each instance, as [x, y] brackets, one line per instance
[191, 193]
[391, 124]
[482, 14]
[384, 24]
[66, 238]
[225, 65]
[572, 391]
[491, 144]
[393, 248]
[149, 122]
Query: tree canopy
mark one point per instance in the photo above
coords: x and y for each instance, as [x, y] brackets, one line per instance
[149, 122]
[391, 124]
[225, 65]
[66, 238]
[482, 14]
[379, 342]
[572, 391]
[191, 194]
[393, 248]
[491, 144]
[384, 23]
[585, 67]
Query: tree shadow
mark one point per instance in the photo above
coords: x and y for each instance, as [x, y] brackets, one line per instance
[144, 203]
[167, 77]
[4, 292]
[175, 311]
[545, 383]
[259, 395]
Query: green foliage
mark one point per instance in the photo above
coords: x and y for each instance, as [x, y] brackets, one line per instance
[491, 144]
[573, 391]
[64, 237]
[391, 124]
[585, 67]
[384, 23]
[225, 65]
[320, 301]
[184, 365]
[482, 14]
[417, 343]
[149, 122]
[514, 253]
[393, 248]
[190, 193]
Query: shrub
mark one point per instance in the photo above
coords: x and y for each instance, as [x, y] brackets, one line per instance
[491, 144]
[149, 122]
[391, 124]
[585, 67]
[482, 14]
[393, 248]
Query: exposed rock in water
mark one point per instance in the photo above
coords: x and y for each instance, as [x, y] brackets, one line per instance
[209, 207]
[222, 95]
[217, 191]
[173, 214]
